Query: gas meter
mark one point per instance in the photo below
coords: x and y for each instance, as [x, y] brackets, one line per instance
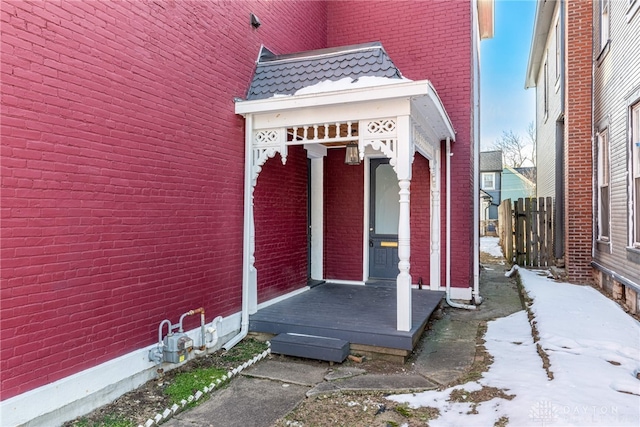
[176, 347]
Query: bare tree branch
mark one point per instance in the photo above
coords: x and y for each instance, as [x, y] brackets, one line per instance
[531, 134]
[513, 149]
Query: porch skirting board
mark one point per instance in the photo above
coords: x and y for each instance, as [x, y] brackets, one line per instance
[81, 393]
[346, 282]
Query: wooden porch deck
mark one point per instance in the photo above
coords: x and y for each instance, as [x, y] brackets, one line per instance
[361, 315]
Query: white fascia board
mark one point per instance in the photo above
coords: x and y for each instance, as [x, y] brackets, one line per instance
[373, 93]
[341, 112]
[541, 28]
[432, 114]
[353, 104]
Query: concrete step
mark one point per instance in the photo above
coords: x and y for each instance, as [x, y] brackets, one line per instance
[310, 347]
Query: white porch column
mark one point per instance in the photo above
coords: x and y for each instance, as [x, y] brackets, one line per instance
[403, 170]
[249, 272]
[316, 153]
[434, 261]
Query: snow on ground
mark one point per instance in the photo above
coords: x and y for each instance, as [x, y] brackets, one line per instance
[490, 245]
[594, 354]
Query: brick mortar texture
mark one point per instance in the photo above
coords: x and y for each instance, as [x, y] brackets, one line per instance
[122, 170]
[578, 148]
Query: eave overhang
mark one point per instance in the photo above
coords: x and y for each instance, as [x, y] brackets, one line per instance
[541, 27]
[486, 18]
[424, 103]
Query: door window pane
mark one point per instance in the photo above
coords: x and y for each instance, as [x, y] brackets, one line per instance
[387, 200]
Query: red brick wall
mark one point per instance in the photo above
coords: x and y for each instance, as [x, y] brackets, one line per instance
[420, 219]
[427, 40]
[578, 148]
[122, 170]
[343, 217]
[280, 198]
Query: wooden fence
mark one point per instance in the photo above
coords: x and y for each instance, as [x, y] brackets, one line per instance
[526, 231]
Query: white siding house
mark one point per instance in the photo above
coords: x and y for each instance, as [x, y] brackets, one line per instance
[545, 73]
[616, 129]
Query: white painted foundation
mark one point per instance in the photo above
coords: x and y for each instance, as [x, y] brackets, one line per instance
[81, 393]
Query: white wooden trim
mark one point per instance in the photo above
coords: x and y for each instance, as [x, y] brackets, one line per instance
[346, 282]
[435, 213]
[317, 218]
[353, 111]
[403, 169]
[282, 297]
[366, 219]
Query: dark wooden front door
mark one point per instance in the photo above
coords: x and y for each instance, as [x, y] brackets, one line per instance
[383, 222]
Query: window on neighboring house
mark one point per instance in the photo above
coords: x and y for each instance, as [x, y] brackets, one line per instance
[488, 180]
[635, 172]
[604, 23]
[603, 186]
[546, 87]
[558, 49]
[633, 7]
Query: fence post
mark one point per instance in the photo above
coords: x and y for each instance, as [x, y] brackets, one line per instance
[520, 233]
[550, 230]
[527, 230]
[535, 238]
[542, 238]
[508, 231]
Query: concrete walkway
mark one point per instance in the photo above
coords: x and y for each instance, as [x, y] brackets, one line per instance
[272, 388]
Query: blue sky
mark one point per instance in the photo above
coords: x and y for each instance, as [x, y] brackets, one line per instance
[504, 102]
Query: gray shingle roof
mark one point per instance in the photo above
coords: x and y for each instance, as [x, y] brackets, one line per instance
[286, 74]
[491, 161]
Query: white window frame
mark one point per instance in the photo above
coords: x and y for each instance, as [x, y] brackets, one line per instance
[605, 21]
[546, 86]
[635, 174]
[558, 49]
[493, 180]
[633, 7]
[604, 180]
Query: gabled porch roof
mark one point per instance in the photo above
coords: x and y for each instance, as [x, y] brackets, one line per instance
[287, 74]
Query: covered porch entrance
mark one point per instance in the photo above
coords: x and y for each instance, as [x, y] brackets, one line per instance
[383, 117]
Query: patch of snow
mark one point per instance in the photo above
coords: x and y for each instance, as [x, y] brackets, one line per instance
[491, 246]
[349, 83]
[594, 354]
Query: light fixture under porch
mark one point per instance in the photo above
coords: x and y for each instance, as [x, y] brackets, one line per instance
[352, 154]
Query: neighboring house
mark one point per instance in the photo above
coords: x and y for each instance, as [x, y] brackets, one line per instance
[587, 130]
[562, 78]
[491, 183]
[134, 188]
[545, 72]
[616, 149]
[518, 183]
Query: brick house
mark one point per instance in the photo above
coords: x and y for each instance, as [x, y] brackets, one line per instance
[586, 127]
[125, 180]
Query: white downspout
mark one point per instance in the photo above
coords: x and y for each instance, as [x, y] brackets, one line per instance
[247, 248]
[448, 235]
[477, 299]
